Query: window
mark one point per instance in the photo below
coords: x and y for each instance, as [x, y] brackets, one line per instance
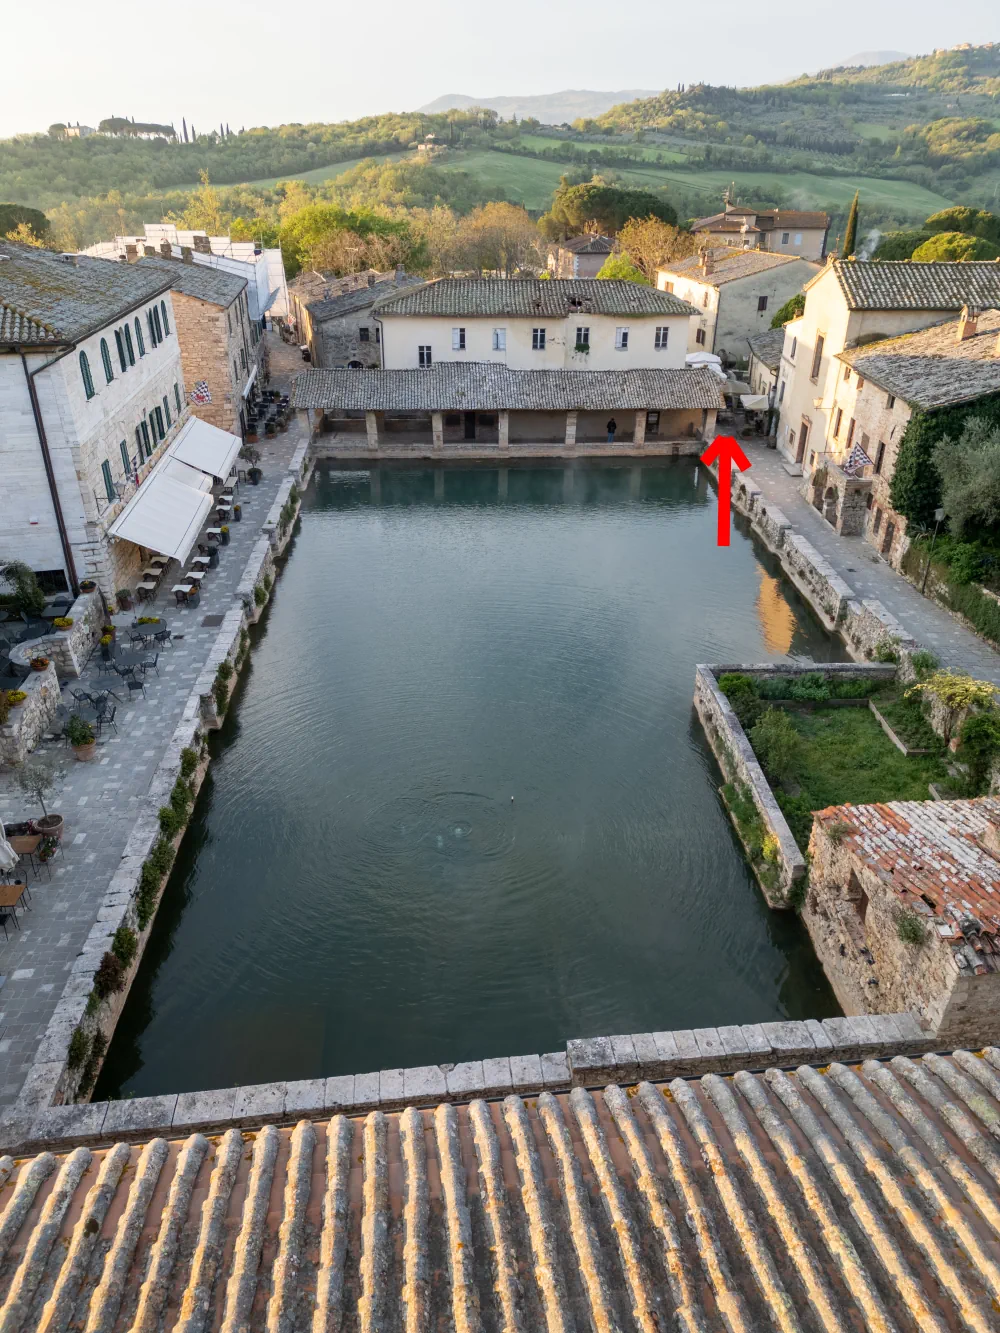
[861, 384]
[836, 422]
[452, 419]
[177, 398]
[879, 457]
[138, 337]
[795, 344]
[229, 322]
[868, 502]
[878, 521]
[499, 340]
[890, 400]
[123, 446]
[139, 451]
[668, 287]
[761, 303]
[817, 357]
[704, 300]
[850, 432]
[458, 340]
[52, 580]
[166, 322]
[243, 358]
[88, 379]
[621, 340]
[236, 372]
[424, 354]
[120, 344]
[128, 346]
[699, 337]
[157, 325]
[364, 334]
[784, 238]
[109, 485]
[538, 340]
[378, 333]
[781, 392]
[159, 424]
[152, 328]
[661, 337]
[582, 336]
[109, 374]
[147, 447]
[166, 411]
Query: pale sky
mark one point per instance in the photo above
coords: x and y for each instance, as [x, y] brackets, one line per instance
[257, 63]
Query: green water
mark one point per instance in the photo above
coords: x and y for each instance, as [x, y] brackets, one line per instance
[358, 889]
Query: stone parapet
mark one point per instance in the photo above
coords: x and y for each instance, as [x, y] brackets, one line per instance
[27, 722]
[68, 649]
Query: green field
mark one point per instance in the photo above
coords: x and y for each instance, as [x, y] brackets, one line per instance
[868, 129]
[314, 177]
[540, 141]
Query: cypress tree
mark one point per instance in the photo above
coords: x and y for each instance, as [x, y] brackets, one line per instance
[851, 235]
[184, 127]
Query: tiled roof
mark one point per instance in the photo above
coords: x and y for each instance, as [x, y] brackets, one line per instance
[345, 303]
[531, 297]
[215, 285]
[899, 284]
[767, 346]
[53, 299]
[932, 850]
[480, 386]
[844, 1199]
[767, 219]
[932, 368]
[588, 245]
[729, 265]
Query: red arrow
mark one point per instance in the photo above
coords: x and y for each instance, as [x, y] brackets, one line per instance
[727, 451]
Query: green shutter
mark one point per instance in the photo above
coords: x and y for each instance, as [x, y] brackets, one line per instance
[109, 486]
[125, 463]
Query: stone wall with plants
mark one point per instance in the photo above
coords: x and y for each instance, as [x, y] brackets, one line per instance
[26, 713]
[68, 647]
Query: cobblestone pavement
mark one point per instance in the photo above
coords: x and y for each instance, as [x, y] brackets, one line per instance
[99, 800]
[860, 566]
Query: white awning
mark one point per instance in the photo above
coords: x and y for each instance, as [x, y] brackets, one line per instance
[754, 402]
[249, 384]
[165, 515]
[206, 447]
[187, 476]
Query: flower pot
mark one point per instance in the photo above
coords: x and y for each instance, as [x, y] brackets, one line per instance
[124, 601]
[224, 538]
[87, 585]
[39, 663]
[213, 557]
[50, 826]
[251, 437]
[85, 752]
[254, 475]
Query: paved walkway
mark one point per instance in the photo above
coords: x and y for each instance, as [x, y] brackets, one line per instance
[860, 566]
[99, 800]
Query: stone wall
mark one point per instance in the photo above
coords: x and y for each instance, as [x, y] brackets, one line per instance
[28, 721]
[68, 649]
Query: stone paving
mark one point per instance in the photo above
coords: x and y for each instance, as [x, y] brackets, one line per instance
[860, 566]
[99, 800]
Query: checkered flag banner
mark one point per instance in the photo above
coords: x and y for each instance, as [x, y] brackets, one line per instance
[857, 459]
[201, 393]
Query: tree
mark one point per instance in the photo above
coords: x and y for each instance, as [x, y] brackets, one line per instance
[28, 596]
[597, 206]
[898, 244]
[23, 235]
[969, 221]
[57, 130]
[650, 243]
[793, 307]
[38, 777]
[954, 246]
[851, 234]
[969, 469]
[12, 215]
[620, 267]
[499, 238]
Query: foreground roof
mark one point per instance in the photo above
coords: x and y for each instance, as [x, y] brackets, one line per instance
[767, 346]
[56, 299]
[933, 368]
[484, 387]
[932, 854]
[804, 1200]
[556, 298]
[729, 265]
[205, 283]
[899, 284]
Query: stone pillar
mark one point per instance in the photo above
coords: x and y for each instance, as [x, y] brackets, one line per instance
[708, 424]
[502, 484]
[503, 430]
[305, 421]
[439, 483]
[639, 434]
[437, 430]
[571, 430]
[371, 429]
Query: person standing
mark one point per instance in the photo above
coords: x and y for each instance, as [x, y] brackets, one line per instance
[612, 427]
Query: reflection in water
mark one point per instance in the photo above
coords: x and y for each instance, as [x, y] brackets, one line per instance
[358, 889]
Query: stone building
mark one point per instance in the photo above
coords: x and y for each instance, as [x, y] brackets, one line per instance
[220, 344]
[580, 256]
[765, 360]
[532, 324]
[878, 388]
[92, 393]
[781, 231]
[735, 294]
[342, 329]
[904, 911]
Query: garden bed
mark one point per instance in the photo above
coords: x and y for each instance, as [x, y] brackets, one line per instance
[905, 725]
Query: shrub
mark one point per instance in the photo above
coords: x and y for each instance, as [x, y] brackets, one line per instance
[79, 1049]
[770, 849]
[886, 650]
[189, 761]
[965, 564]
[97, 1048]
[161, 858]
[221, 695]
[810, 687]
[259, 595]
[4, 706]
[980, 744]
[109, 977]
[171, 822]
[741, 691]
[956, 690]
[93, 1004]
[225, 670]
[63, 622]
[268, 581]
[777, 745]
[28, 596]
[78, 731]
[981, 611]
[124, 945]
[910, 928]
[106, 640]
[181, 798]
[838, 832]
[924, 662]
[15, 697]
[796, 896]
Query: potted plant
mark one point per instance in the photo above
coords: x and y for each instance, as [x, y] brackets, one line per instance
[81, 737]
[37, 778]
[63, 622]
[15, 697]
[252, 456]
[107, 642]
[39, 663]
[47, 848]
[124, 597]
[238, 512]
[87, 585]
[147, 620]
[224, 535]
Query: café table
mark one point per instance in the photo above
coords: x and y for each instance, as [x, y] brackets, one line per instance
[202, 561]
[196, 574]
[213, 534]
[145, 590]
[181, 591]
[10, 898]
[153, 572]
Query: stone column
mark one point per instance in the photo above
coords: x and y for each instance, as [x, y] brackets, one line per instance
[503, 430]
[439, 483]
[371, 428]
[571, 430]
[502, 484]
[639, 433]
[437, 430]
[708, 424]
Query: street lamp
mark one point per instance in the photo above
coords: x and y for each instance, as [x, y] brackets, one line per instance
[938, 520]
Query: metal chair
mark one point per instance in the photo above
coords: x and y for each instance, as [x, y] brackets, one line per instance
[125, 673]
[163, 637]
[133, 685]
[84, 696]
[149, 664]
[106, 717]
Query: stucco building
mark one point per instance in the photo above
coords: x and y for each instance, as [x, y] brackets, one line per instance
[851, 303]
[783, 231]
[735, 294]
[580, 256]
[532, 324]
[765, 361]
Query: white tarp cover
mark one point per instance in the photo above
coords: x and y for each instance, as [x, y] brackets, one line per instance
[164, 515]
[187, 476]
[207, 447]
[754, 402]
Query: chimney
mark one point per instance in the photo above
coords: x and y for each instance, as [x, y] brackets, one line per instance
[186, 254]
[371, 279]
[400, 274]
[131, 252]
[149, 251]
[704, 260]
[165, 250]
[202, 244]
[968, 322]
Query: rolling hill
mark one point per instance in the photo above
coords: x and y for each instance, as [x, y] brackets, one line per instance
[549, 108]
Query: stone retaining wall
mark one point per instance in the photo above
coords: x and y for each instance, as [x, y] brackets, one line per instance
[590, 1062]
[68, 649]
[28, 721]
